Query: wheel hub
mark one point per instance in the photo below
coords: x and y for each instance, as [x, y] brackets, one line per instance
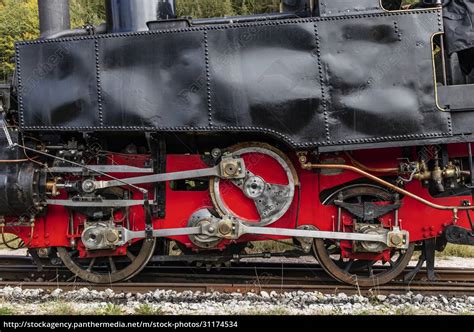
[210, 224]
[254, 187]
[365, 246]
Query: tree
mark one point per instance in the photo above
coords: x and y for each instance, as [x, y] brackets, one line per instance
[18, 21]
[205, 8]
[87, 12]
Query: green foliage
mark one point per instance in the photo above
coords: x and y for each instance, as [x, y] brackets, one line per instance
[205, 8]
[147, 310]
[111, 310]
[61, 308]
[6, 311]
[87, 12]
[217, 8]
[456, 250]
[18, 21]
[246, 7]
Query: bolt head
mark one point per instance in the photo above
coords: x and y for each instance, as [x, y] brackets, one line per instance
[396, 239]
[231, 169]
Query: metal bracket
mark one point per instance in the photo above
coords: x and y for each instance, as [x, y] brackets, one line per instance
[367, 210]
[428, 256]
[7, 133]
[459, 235]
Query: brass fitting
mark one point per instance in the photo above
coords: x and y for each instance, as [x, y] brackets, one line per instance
[303, 159]
[225, 227]
[52, 187]
[232, 168]
[423, 173]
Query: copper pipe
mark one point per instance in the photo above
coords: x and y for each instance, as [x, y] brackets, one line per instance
[13, 161]
[368, 169]
[385, 184]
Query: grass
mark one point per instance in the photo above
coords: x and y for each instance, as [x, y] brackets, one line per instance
[6, 311]
[61, 309]
[146, 310]
[270, 312]
[111, 310]
[410, 311]
[270, 246]
[457, 250]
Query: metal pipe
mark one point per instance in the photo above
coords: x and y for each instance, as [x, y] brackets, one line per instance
[133, 15]
[385, 184]
[54, 17]
[369, 169]
[100, 29]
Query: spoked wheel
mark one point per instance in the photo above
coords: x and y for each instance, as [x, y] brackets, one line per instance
[372, 270]
[109, 269]
[267, 191]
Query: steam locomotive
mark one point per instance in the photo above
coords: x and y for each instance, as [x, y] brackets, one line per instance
[343, 126]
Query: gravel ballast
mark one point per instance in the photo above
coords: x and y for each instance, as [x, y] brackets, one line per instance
[14, 300]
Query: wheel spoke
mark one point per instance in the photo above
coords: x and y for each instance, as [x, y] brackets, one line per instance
[363, 272]
[348, 266]
[91, 265]
[369, 268]
[113, 268]
[130, 256]
[105, 270]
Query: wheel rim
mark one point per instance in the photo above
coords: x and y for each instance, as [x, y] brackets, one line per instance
[364, 273]
[266, 164]
[109, 269]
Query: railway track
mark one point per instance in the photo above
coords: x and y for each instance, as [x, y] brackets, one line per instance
[447, 289]
[242, 277]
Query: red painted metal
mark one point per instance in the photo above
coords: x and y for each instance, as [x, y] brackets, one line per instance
[421, 221]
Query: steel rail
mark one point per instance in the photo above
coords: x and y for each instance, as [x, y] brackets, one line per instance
[23, 269]
[447, 289]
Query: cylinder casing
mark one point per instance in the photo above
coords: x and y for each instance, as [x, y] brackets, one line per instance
[54, 17]
[133, 15]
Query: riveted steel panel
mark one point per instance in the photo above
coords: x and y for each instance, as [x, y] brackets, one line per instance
[156, 80]
[57, 84]
[380, 78]
[330, 81]
[267, 77]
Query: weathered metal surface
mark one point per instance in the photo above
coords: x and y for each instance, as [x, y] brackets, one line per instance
[53, 16]
[330, 81]
[342, 7]
[458, 16]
